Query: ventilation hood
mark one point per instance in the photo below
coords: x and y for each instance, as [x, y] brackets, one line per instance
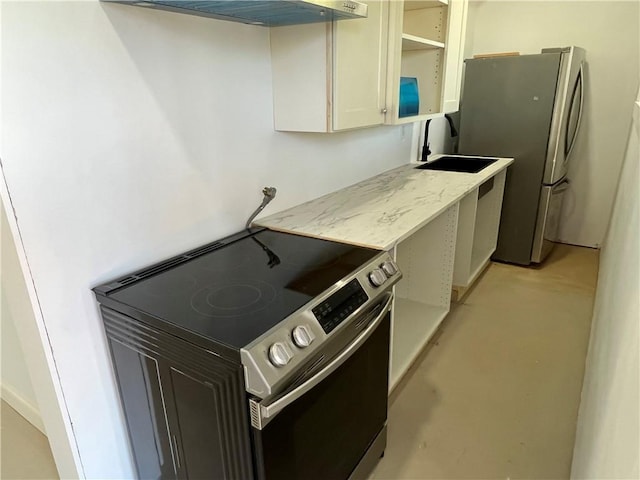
[270, 13]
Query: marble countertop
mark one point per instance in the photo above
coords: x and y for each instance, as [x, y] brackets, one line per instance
[383, 210]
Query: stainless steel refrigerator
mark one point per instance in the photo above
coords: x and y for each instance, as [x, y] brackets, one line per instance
[527, 107]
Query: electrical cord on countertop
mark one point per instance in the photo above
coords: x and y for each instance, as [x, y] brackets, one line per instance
[269, 194]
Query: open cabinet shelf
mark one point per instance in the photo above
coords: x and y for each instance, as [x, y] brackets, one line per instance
[411, 42]
[419, 4]
[477, 236]
[425, 39]
[414, 325]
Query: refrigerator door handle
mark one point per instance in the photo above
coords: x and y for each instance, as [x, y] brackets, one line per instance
[579, 83]
[548, 221]
[556, 160]
[560, 187]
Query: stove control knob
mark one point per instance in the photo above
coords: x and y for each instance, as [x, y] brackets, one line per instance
[302, 336]
[389, 268]
[377, 277]
[280, 354]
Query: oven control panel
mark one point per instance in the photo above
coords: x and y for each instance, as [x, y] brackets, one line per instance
[277, 357]
[340, 305]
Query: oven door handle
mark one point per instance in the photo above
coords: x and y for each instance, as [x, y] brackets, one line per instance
[262, 414]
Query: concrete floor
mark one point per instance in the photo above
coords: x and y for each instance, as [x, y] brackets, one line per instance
[24, 450]
[495, 395]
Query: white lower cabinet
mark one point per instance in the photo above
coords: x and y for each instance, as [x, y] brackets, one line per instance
[478, 223]
[423, 295]
[450, 251]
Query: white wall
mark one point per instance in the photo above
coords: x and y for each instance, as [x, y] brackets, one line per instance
[610, 33]
[128, 136]
[34, 353]
[17, 389]
[607, 437]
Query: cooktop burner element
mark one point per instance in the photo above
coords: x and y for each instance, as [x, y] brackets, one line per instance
[232, 300]
[234, 290]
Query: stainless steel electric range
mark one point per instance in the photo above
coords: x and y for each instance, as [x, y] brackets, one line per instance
[262, 355]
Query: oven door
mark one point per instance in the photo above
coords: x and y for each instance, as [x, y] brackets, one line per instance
[331, 423]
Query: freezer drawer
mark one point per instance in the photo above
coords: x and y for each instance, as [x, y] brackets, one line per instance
[548, 219]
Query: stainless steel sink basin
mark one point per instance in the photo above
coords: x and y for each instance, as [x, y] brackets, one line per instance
[458, 164]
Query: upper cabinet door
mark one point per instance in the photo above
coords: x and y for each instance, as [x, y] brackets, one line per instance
[330, 77]
[360, 69]
[454, 53]
[300, 62]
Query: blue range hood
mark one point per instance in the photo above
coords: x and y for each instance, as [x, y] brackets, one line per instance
[270, 13]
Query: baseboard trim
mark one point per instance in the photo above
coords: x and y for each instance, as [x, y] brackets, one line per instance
[30, 413]
[597, 246]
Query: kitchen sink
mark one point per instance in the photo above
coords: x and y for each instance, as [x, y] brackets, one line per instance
[458, 164]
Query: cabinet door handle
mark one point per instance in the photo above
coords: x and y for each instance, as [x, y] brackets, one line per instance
[384, 110]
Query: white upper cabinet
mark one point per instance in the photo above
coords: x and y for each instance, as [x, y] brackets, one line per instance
[426, 39]
[345, 75]
[331, 77]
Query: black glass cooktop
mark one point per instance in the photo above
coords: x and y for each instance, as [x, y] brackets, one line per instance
[239, 290]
